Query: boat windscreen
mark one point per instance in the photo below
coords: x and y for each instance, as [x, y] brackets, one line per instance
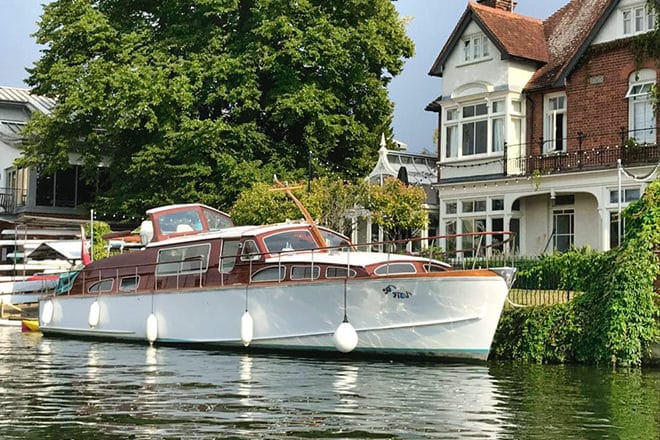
[290, 241]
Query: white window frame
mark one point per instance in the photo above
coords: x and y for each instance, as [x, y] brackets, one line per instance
[455, 123]
[476, 47]
[552, 112]
[640, 85]
[570, 214]
[637, 19]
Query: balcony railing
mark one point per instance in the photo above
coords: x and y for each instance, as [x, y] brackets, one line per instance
[578, 157]
[11, 199]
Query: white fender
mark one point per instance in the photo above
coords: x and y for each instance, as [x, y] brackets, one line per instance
[47, 312]
[247, 328]
[345, 337]
[152, 328]
[94, 314]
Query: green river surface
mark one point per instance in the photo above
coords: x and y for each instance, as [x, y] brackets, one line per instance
[76, 389]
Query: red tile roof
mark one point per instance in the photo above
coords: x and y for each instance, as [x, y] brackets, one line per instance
[519, 36]
[555, 44]
[568, 32]
[515, 35]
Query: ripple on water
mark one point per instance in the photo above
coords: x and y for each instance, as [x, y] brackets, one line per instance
[58, 388]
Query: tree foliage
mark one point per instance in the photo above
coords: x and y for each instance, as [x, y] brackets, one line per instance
[335, 203]
[194, 100]
[397, 207]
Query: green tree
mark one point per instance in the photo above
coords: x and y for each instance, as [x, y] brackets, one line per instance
[397, 208]
[330, 201]
[195, 100]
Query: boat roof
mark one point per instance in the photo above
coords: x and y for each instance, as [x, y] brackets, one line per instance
[236, 232]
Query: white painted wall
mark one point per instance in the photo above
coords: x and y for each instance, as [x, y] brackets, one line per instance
[613, 27]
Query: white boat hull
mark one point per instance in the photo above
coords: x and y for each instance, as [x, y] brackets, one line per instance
[447, 317]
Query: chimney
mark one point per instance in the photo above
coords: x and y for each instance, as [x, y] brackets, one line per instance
[505, 5]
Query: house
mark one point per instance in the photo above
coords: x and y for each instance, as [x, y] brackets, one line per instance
[543, 124]
[25, 191]
[34, 207]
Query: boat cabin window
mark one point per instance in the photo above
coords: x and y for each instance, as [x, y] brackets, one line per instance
[298, 240]
[333, 240]
[394, 268]
[249, 250]
[435, 268]
[305, 272]
[129, 284]
[273, 273]
[339, 272]
[183, 260]
[228, 258]
[101, 286]
[180, 221]
[216, 220]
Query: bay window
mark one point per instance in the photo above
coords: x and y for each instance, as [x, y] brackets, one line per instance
[475, 129]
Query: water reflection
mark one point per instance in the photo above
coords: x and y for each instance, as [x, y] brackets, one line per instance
[56, 388]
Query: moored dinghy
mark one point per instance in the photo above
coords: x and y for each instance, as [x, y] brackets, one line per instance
[292, 286]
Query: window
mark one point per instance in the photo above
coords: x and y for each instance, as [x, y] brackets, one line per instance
[273, 273]
[474, 129]
[450, 207]
[435, 268]
[614, 229]
[216, 221]
[68, 188]
[229, 252]
[339, 272]
[305, 272]
[395, 268]
[186, 220]
[473, 243]
[333, 239]
[497, 204]
[514, 227]
[563, 225]
[450, 242]
[629, 195]
[290, 241]
[129, 284]
[474, 205]
[101, 286]
[183, 260]
[638, 19]
[497, 240]
[250, 251]
[555, 124]
[475, 47]
[641, 118]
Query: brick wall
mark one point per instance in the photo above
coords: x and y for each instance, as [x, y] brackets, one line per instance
[596, 102]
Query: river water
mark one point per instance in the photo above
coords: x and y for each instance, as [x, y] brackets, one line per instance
[70, 389]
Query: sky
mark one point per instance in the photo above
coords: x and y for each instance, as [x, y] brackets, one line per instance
[432, 21]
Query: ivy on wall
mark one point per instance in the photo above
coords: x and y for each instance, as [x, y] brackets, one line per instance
[616, 319]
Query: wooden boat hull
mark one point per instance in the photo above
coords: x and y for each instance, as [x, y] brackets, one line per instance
[447, 315]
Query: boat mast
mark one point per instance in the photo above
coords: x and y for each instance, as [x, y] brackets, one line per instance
[316, 232]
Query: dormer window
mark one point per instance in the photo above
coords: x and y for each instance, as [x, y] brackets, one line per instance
[475, 47]
[638, 19]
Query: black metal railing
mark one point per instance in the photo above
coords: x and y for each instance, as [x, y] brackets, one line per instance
[11, 199]
[580, 153]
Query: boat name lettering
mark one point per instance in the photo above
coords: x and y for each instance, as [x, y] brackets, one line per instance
[391, 289]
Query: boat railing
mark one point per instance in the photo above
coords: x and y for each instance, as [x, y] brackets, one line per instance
[480, 254]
